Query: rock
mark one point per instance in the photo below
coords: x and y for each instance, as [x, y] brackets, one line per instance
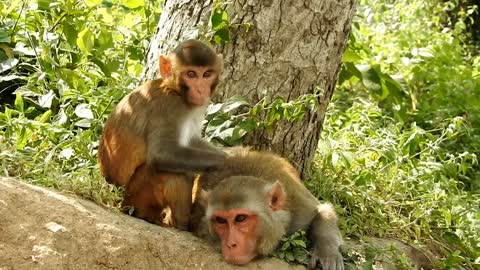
[43, 229]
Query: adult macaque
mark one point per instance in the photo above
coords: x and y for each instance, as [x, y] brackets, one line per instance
[257, 198]
[152, 144]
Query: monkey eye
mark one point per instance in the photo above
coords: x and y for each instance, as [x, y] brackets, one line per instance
[240, 218]
[191, 74]
[207, 74]
[220, 220]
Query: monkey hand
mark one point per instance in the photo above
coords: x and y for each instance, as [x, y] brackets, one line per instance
[329, 260]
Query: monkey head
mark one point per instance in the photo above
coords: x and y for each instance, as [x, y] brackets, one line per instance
[193, 70]
[244, 213]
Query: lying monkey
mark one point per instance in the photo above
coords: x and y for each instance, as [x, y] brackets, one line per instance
[255, 199]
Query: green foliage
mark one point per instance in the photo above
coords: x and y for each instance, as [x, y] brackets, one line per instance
[68, 62]
[220, 23]
[400, 145]
[293, 248]
[229, 122]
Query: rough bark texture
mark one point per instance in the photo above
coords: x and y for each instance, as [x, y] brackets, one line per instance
[41, 229]
[291, 47]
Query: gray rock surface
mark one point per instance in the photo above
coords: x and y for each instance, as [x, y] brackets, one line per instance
[43, 229]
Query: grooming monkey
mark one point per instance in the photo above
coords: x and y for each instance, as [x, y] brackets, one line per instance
[151, 142]
[255, 199]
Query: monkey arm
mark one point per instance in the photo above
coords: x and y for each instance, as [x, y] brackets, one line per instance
[327, 239]
[201, 143]
[176, 158]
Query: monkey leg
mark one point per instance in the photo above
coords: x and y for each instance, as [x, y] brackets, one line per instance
[176, 193]
[140, 195]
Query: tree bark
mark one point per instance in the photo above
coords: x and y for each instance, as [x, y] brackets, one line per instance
[291, 47]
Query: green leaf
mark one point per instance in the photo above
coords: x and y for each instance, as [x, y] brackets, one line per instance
[92, 3]
[70, 33]
[4, 36]
[300, 243]
[248, 125]
[85, 41]
[132, 4]
[351, 56]
[222, 36]
[371, 78]
[105, 39]
[44, 4]
[19, 105]
[45, 116]
[12, 6]
[219, 18]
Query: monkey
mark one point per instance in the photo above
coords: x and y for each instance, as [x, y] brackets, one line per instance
[256, 198]
[151, 143]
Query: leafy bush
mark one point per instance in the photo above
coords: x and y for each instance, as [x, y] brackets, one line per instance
[399, 150]
[69, 62]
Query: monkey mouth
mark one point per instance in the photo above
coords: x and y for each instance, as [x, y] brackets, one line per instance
[239, 260]
[198, 101]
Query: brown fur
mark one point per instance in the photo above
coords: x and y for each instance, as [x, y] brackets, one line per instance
[245, 181]
[146, 147]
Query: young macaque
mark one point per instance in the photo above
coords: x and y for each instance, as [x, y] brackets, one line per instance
[152, 144]
[255, 199]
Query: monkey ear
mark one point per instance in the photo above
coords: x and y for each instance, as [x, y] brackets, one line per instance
[165, 66]
[276, 197]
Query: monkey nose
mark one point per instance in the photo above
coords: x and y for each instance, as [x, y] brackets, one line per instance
[232, 245]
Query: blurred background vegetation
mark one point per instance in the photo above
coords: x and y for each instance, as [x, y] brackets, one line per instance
[399, 150]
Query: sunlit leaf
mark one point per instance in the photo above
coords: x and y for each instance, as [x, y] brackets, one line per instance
[46, 100]
[92, 3]
[85, 41]
[351, 56]
[84, 123]
[83, 111]
[8, 64]
[214, 108]
[66, 153]
[19, 105]
[132, 4]
[219, 18]
[45, 116]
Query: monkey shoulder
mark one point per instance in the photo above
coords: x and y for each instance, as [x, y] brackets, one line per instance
[270, 168]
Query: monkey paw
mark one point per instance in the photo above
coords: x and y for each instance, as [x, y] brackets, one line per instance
[329, 262]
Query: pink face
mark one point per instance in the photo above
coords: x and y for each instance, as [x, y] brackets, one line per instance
[238, 231]
[199, 83]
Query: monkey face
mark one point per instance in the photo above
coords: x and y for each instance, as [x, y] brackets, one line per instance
[238, 231]
[198, 83]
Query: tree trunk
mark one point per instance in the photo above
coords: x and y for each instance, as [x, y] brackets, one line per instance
[291, 47]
